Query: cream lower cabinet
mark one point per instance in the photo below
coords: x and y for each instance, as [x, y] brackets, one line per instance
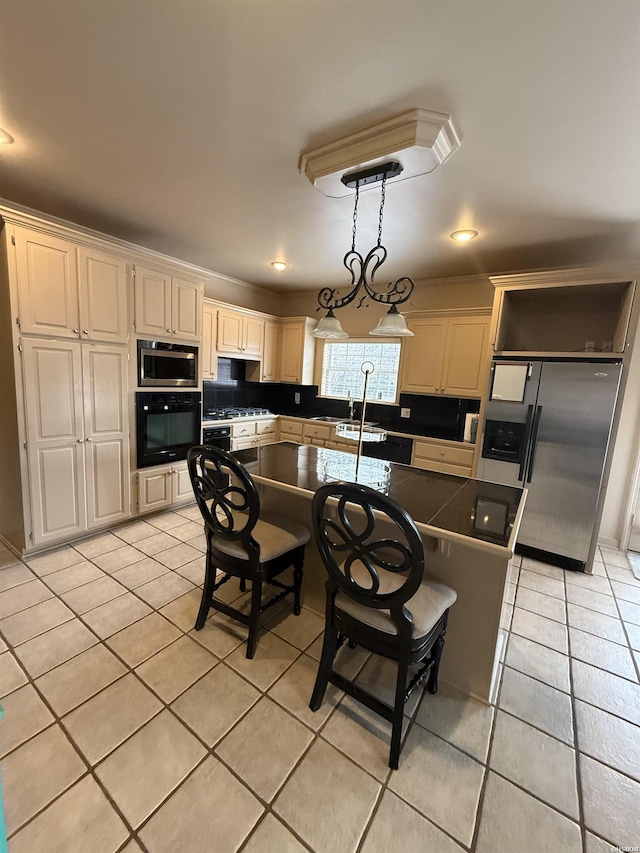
[447, 457]
[448, 353]
[161, 488]
[290, 430]
[252, 433]
[317, 434]
[77, 436]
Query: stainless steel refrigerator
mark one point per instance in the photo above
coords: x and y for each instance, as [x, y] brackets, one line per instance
[547, 427]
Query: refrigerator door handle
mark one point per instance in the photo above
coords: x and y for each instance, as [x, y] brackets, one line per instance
[534, 442]
[524, 452]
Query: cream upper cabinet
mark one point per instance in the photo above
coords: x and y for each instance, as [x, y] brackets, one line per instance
[208, 350]
[102, 280]
[271, 355]
[47, 284]
[297, 350]
[70, 291]
[447, 355]
[186, 301]
[166, 306]
[253, 336]
[77, 436]
[423, 356]
[240, 334]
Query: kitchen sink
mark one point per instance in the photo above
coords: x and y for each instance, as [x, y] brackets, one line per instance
[352, 421]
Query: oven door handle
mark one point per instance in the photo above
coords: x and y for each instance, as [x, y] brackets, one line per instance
[525, 444]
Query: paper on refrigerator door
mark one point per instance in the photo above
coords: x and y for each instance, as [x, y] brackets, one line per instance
[509, 381]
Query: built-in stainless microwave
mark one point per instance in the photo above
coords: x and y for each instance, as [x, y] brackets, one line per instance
[167, 365]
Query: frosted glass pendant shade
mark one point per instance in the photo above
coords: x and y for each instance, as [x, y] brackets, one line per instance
[329, 327]
[392, 324]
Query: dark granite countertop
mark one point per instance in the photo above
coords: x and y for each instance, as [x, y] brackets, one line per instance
[456, 506]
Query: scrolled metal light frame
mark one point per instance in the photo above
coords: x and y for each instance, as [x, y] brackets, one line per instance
[363, 270]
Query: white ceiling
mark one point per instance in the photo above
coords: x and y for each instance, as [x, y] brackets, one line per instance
[178, 124]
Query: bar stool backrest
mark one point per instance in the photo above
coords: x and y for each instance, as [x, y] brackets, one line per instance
[369, 545]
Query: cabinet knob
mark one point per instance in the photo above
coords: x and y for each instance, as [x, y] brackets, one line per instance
[88, 439]
[174, 332]
[76, 331]
[442, 453]
[79, 441]
[85, 331]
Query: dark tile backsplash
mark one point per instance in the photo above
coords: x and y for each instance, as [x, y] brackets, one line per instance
[435, 416]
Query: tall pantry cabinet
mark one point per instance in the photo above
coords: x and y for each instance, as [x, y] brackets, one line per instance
[64, 433]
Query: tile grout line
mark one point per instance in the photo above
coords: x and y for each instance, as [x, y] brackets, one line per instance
[263, 693]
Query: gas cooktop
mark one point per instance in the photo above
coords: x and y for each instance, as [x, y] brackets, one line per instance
[224, 414]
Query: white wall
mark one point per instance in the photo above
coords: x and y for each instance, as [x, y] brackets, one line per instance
[625, 454]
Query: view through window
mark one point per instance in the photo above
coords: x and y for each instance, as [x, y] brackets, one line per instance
[342, 376]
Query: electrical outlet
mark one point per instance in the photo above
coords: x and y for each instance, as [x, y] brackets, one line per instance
[296, 398]
[405, 413]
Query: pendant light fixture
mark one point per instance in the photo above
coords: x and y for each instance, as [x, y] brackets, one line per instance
[363, 270]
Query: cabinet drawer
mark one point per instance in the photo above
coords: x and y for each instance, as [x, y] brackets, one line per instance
[266, 427]
[442, 453]
[317, 431]
[242, 430]
[443, 467]
[291, 428]
[243, 443]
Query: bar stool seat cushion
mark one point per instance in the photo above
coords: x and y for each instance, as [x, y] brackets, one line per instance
[275, 533]
[428, 604]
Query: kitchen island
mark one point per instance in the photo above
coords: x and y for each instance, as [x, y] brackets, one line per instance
[468, 526]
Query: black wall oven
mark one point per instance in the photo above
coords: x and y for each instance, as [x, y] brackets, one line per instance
[167, 425]
[167, 365]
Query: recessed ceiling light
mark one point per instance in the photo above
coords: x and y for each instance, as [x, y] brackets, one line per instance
[279, 265]
[464, 236]
[5, 138]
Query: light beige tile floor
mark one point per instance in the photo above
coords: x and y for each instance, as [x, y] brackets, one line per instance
[125, 730]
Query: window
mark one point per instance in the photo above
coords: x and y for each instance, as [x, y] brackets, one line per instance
[342, 376]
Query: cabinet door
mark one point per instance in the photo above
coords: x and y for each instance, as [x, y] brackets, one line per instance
[208, 351]
[104, 371]
[271, 352]
[102, 289]
[181, 488]
[154, 489]
[47, 285]
[52, 373]
[252, 336]
[152, 303]
[291, 353]
[186, 302]
[229, 332]
[423, 356]
[465, 372]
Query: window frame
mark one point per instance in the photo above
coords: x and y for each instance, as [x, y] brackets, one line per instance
[361, 340]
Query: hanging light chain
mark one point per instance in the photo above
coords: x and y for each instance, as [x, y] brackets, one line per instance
[382, 198]
[355, 218]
